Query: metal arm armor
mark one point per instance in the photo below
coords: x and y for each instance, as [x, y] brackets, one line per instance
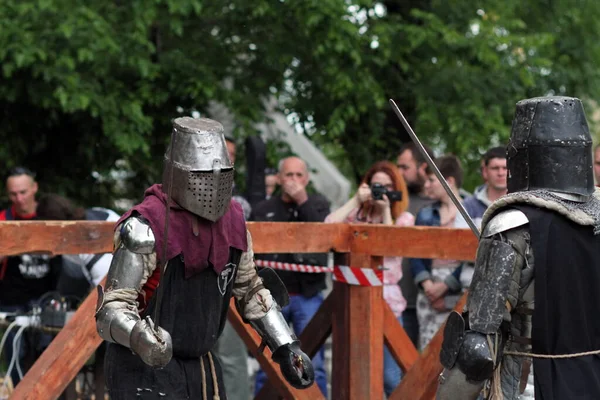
[274, 329]
[500, 254]
[132, 262]
[467, 351]
[295, 365]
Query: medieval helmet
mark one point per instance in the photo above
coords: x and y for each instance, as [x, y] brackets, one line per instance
[550, 147]
[197, 168]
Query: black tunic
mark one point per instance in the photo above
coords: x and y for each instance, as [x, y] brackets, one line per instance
[566, 318]
[193, 311]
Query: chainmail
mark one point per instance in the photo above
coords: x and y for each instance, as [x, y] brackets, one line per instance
[586, 214]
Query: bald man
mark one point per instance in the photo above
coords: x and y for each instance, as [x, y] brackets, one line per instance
[296, 205]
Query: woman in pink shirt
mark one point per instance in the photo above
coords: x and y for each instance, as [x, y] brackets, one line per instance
[382, 198]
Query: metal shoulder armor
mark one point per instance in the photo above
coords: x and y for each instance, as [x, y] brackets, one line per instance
[137, 236]
[504, 221]
[133, 261]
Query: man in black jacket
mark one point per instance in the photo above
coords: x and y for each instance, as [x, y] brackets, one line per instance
[294, 204]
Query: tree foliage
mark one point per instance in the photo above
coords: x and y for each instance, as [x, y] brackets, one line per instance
[87, 88]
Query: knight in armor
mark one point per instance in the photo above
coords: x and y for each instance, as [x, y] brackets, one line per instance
[180, 255]
[545, 234]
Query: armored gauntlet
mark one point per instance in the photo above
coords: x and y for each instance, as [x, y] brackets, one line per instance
[295, 365]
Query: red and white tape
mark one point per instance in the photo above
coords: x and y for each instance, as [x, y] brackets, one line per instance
[358, 276]
[341, 273]
[312, 269]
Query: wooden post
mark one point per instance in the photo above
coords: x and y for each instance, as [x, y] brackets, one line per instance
[358, 336]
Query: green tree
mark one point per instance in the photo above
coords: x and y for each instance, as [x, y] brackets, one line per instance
[87, 88]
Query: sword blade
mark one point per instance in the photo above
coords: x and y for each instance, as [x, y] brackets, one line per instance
[435, 169]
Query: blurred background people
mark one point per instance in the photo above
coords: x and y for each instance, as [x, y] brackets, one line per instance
[271, 182]
[412, 165]
[437, 278]
[79, 272]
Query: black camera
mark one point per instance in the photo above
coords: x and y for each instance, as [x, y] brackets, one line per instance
[378, 190]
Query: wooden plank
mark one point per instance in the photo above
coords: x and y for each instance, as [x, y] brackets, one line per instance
[64, 357]
[298, 237]
[74, 237]
[423, 242]
[358, 337]
[421, 381]
[56, 237]
[397, 341]
[252, 341]
[313, 337]
[379, 240]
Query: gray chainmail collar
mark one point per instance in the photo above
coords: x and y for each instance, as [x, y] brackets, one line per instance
[587, 213]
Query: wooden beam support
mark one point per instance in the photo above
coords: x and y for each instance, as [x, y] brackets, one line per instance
[64, 357]
[357, 337]
[55, 237]
[253, 341]
[298, 237]
[76, 237]
[397, 341]
[421, 381]
[415, 241]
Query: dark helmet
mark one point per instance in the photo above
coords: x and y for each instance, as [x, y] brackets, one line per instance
[550, 147]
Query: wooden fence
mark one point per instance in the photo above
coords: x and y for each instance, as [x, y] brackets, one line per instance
[357, 317]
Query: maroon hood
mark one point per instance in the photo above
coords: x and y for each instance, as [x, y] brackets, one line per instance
[210, 248]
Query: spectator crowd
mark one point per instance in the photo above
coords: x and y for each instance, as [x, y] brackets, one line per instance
[405, 192]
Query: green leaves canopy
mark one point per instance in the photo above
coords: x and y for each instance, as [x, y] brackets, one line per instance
[85, 84]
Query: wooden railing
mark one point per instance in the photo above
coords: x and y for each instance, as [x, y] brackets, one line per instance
[357, 317]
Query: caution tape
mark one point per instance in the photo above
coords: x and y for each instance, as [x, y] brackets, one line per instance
[311, 269]
[341, 273]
